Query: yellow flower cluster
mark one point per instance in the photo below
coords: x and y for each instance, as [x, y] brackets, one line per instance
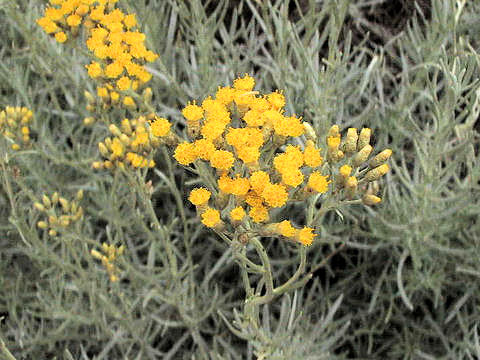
[14, 126]
[60, 213]
[116, 44]
[355, 173]
[108, 259]
[133, 143]
[243, 136]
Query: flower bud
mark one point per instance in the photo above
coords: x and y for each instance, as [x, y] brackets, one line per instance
[362, 155]
[351, 186]
[351, 139]
[38, 206]
[46, 201]
[55, 197]
[364, 138]
[89, 97]
[65, 204]
[52, 232]
[147, 94]
[376, 173]
[103, 149]
[115, 130]
[42, 224]
[380, 158]
[79, 195]
[309, 132]
[343, 174]
[334, 132]
[370, 200]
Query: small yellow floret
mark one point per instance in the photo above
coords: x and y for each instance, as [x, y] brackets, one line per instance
[237, 214]
[312, 155]
[222, 159]
[258, 181]
[305, 236]
[258, 213]
[94, 69]
[192, 112]
[275, 195]
[211, 218]
[185, 153]
[160, 126]
[286, 229]
[246, 83]
[61, 37]
[199, 196]
[318, 182]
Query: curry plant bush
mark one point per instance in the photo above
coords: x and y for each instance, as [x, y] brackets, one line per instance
[238, 180]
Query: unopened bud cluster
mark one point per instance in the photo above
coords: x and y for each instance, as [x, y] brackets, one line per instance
[14, 123]
[60, 213]
[134, 142]
[356, 169]
[108, 256]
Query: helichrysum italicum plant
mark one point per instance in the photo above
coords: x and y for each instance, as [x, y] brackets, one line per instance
[250, 145]
[144, 275]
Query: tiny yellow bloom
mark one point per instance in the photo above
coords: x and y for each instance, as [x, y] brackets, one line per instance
[185, 153]
[318, 182]
[199, 196]
[61, 37]
[305, 236]
[211, 218]
[160, 126]
[275, 195]
[237, 214]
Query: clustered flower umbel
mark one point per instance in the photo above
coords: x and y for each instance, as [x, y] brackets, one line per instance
[117, 46]
[133, 144]
[109, 258]
[247, 138]
[60, 213]
[14, 123]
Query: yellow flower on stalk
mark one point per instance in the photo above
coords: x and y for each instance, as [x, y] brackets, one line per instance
[258, 213]
[199, 196]
[318, 182]
[160, 126]
[285, 228]
[247, 83]
[185, 153]
[275, 195]
[211, 218]
[222, 159]
[192, 112]
[237, 214]
[305, 236]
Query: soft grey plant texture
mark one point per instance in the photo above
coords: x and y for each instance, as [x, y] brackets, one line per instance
[396, 281]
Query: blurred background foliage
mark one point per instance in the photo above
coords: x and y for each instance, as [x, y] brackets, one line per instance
[405, 284]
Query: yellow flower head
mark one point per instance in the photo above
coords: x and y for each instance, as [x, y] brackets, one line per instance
[211, 218]
[185, 153]
[258, 181]
[258, 213]
[276, 99]
[318, 182]
[204, 149]
[311, 155]
[199, 196]
[247, 83]
[305, 236]
[275, 195]
[225, 95]
[222, 159]
[237, 214]
[192, 112]
[61, 37]
[239, 186]
[160, 126]
[286, 229]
